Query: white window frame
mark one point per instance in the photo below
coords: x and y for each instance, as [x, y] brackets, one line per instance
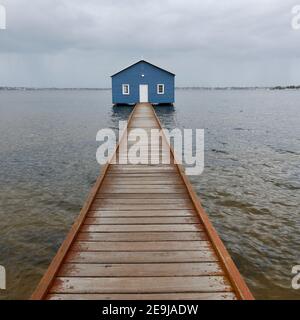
[123, 89]
[163, 87]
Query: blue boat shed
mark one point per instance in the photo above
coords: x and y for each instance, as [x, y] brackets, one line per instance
[143, 82]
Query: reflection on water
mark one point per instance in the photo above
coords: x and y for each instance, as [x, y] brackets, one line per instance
[250, 186]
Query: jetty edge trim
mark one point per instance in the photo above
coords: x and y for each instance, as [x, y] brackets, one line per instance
[239, 285]
[47, 280]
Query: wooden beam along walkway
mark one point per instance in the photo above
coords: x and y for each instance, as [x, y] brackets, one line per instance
[142, 234]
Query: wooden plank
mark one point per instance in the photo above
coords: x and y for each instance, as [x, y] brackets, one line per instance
[146, 296]
[141, 257]
[141, 285]
[141, 270]
[148, 188]
[138, 125]
[142, 228]
[154, 189]
[142, 220]
[142, 236]
[144, 213]
[142, 181]
[142, 167]
[113, 175]
[141, 246]
[142, 177]
[147, 200]
[140, 196]
[143, 157]
[144, 172]
[140, 161]
[143, 153]
[144, 149]
[135, 169]
[140, 207]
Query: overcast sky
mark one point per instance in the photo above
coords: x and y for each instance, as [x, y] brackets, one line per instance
[80, 43]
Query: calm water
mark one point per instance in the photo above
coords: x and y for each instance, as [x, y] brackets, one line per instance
[250, 186]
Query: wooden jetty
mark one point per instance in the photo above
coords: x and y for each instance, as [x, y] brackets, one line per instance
[142, 234]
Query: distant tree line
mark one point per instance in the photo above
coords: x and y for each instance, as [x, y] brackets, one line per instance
[285, 87]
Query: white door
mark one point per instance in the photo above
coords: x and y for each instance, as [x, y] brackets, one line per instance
[143, 93]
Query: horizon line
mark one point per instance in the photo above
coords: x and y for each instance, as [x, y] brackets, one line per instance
[178, 87]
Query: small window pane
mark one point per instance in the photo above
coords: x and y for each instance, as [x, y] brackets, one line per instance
[125, 89]
[160, 88]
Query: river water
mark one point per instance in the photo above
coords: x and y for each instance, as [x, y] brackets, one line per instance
[250, 187]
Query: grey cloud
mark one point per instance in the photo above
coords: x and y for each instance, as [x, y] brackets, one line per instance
[208, 42]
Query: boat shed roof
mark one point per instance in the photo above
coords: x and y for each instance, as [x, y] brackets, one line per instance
[144, 61]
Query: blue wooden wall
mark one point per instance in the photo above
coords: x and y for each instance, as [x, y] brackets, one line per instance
[152, 77]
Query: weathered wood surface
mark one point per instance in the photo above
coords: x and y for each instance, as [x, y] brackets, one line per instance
[145, 296]
[142, 235]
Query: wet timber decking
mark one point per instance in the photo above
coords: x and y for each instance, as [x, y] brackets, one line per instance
[142, 234]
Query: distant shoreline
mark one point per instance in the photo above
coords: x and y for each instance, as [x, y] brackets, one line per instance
[292, 87]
